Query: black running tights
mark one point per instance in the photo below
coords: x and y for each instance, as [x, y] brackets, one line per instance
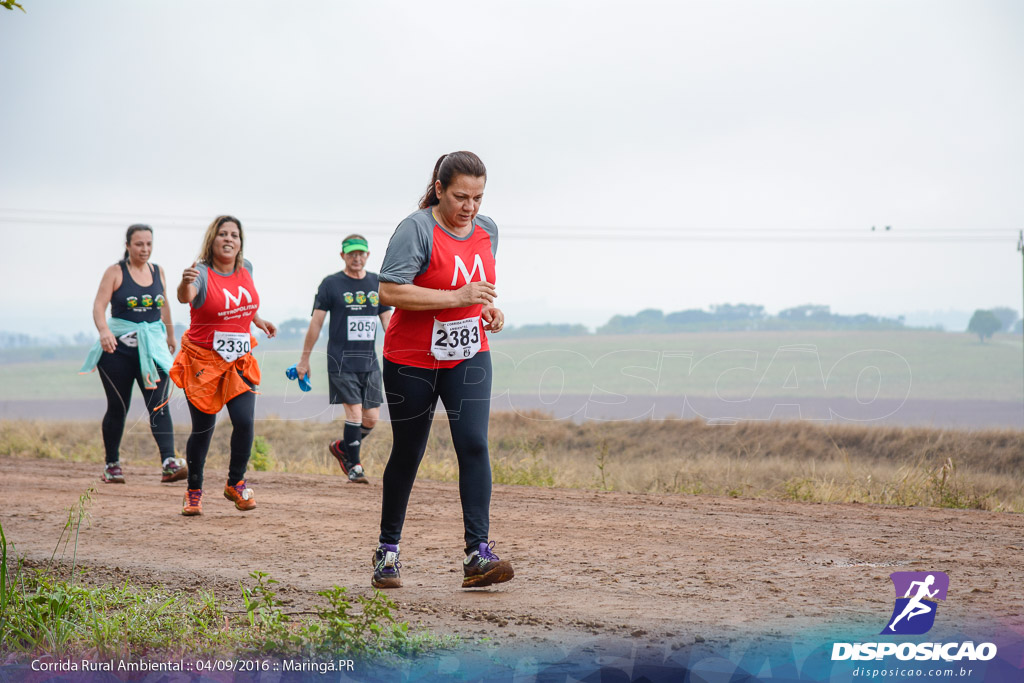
[241, 410]
[412, 394]
[118, 371]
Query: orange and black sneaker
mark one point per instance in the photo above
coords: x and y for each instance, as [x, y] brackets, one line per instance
[193, 503]
[242, 497]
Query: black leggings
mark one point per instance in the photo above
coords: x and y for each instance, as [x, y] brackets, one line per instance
[412, 394]
[118, 371]
[241, 410]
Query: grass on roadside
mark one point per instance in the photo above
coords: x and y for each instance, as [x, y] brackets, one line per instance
[44, 614]
[788, 460]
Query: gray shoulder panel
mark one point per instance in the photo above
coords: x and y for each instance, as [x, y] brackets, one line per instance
[203, 277]
[200, 284]
[408, 253]
[491, 227]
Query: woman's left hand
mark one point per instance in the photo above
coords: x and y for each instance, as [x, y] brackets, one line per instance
[171, 344]
[269, 328]
[494, 319]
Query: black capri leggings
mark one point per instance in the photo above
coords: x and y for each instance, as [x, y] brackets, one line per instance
[412, 394]
[241, 410]
[118, 371]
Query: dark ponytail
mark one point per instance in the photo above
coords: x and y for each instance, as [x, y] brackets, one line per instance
[445, 170]
[132, 229]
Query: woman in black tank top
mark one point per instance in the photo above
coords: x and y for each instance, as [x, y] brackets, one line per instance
[135, 290]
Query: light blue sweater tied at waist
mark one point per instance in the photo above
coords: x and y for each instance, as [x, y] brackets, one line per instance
[153, 352]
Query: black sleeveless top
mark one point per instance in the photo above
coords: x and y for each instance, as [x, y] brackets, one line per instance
[131, 301]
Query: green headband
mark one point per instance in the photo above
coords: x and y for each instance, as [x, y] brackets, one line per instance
[354, 244]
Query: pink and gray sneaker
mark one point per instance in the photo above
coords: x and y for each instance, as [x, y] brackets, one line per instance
[112, 474]
[174, 469]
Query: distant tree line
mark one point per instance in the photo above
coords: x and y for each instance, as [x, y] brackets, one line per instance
[719, 318]
[544, 330]
[986, 323]
[17, 340]
[295, 328]
[740, 317]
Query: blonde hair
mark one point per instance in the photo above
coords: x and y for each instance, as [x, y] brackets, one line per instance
[206, 251]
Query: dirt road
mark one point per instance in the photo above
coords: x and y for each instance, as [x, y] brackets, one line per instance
[666, 569]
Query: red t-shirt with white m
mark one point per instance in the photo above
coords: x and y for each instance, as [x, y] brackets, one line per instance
[424, 254]
[224, 303]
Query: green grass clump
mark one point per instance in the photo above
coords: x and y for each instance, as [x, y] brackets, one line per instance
[367, 627]
[521, 463]
[260, 458]
[42, 614]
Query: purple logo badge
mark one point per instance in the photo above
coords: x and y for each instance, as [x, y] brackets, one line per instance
[917, 594]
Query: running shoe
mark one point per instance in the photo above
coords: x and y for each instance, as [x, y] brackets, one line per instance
[483, 568]
[386, 566]
[193, 503]
[242, 497]
[112, 474]
[356, 475]
[337, 449]
[175, 469]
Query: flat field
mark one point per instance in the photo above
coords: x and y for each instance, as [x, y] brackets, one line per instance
[861, 366]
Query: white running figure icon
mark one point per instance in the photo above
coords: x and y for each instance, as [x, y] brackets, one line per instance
[915, 606]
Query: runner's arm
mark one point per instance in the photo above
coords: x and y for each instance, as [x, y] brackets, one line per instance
[187, 288]
[312, 334]
[165, 315]
[416, 298]
[269, 328]
[494, 319]
[385, 320]
[99, 308]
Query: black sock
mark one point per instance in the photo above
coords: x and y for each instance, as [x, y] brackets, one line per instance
[364, 432]
[351, 441]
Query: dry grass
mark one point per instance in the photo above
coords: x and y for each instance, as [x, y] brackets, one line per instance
[793, 460]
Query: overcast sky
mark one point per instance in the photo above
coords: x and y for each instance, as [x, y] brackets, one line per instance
[670, 155]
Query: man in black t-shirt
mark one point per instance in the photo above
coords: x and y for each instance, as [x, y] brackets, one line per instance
[353, 373]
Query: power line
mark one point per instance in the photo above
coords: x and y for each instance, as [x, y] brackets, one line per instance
[111, 216]
[554, 232]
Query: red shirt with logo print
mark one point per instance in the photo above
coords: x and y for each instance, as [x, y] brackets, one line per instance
[424, 254]
[226, 303]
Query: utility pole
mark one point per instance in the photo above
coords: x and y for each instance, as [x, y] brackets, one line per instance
[1020, 248]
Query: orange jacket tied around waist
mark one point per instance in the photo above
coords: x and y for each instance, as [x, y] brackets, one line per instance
[208, 380]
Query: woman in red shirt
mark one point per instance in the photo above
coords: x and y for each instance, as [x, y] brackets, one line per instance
[215, 367]
[438, 274]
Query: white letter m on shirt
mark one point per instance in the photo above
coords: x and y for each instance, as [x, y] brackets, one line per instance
[236, 301]
[460, 267]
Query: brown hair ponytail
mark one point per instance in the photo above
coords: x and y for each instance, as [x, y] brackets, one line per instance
[445, 170]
